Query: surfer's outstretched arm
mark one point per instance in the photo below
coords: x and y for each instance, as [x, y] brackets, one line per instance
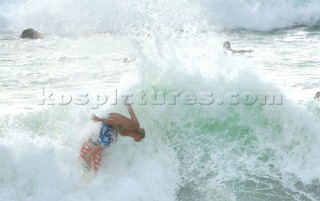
[104, 120]
[132, 114]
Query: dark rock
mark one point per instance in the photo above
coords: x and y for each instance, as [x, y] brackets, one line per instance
[31, 34]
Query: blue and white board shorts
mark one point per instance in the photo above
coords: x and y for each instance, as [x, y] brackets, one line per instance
[107, 134]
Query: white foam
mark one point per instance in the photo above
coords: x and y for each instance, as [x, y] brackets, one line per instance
[98, 16]
[262, 15]
[39, 162]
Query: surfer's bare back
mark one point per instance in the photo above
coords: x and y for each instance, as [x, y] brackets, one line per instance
[124, 125]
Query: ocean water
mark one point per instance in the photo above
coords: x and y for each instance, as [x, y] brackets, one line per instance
[222, 127]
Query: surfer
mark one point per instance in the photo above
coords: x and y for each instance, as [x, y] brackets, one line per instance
[317, 96]
[113, 124]
[227, 47]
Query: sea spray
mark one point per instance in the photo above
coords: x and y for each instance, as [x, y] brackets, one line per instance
[249, 149]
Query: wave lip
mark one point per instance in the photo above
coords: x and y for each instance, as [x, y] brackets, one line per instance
[261, 15]
[96, 16]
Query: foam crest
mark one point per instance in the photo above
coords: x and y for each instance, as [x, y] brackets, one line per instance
[261, 15]
[223, 146]
[98, 16]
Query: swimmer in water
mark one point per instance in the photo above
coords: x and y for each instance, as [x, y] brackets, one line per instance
[227, 47]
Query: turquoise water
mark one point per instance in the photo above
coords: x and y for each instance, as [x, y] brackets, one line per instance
[207, 137]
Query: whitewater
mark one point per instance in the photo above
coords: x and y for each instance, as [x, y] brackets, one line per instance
[212, 130]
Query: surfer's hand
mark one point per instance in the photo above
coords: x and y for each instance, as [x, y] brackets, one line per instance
[95, 118]
[126, 102]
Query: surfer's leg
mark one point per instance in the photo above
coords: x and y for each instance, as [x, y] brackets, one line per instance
[90, 155]
[96, 149]
[103, 143]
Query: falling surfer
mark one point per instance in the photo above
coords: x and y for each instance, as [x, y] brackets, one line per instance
[112, 125]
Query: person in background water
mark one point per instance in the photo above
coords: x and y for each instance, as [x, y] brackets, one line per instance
[227, 47]
[317, 96]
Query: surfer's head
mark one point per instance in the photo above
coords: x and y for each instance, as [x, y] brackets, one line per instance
[227, 45]
[139, 134]
[317, 95]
